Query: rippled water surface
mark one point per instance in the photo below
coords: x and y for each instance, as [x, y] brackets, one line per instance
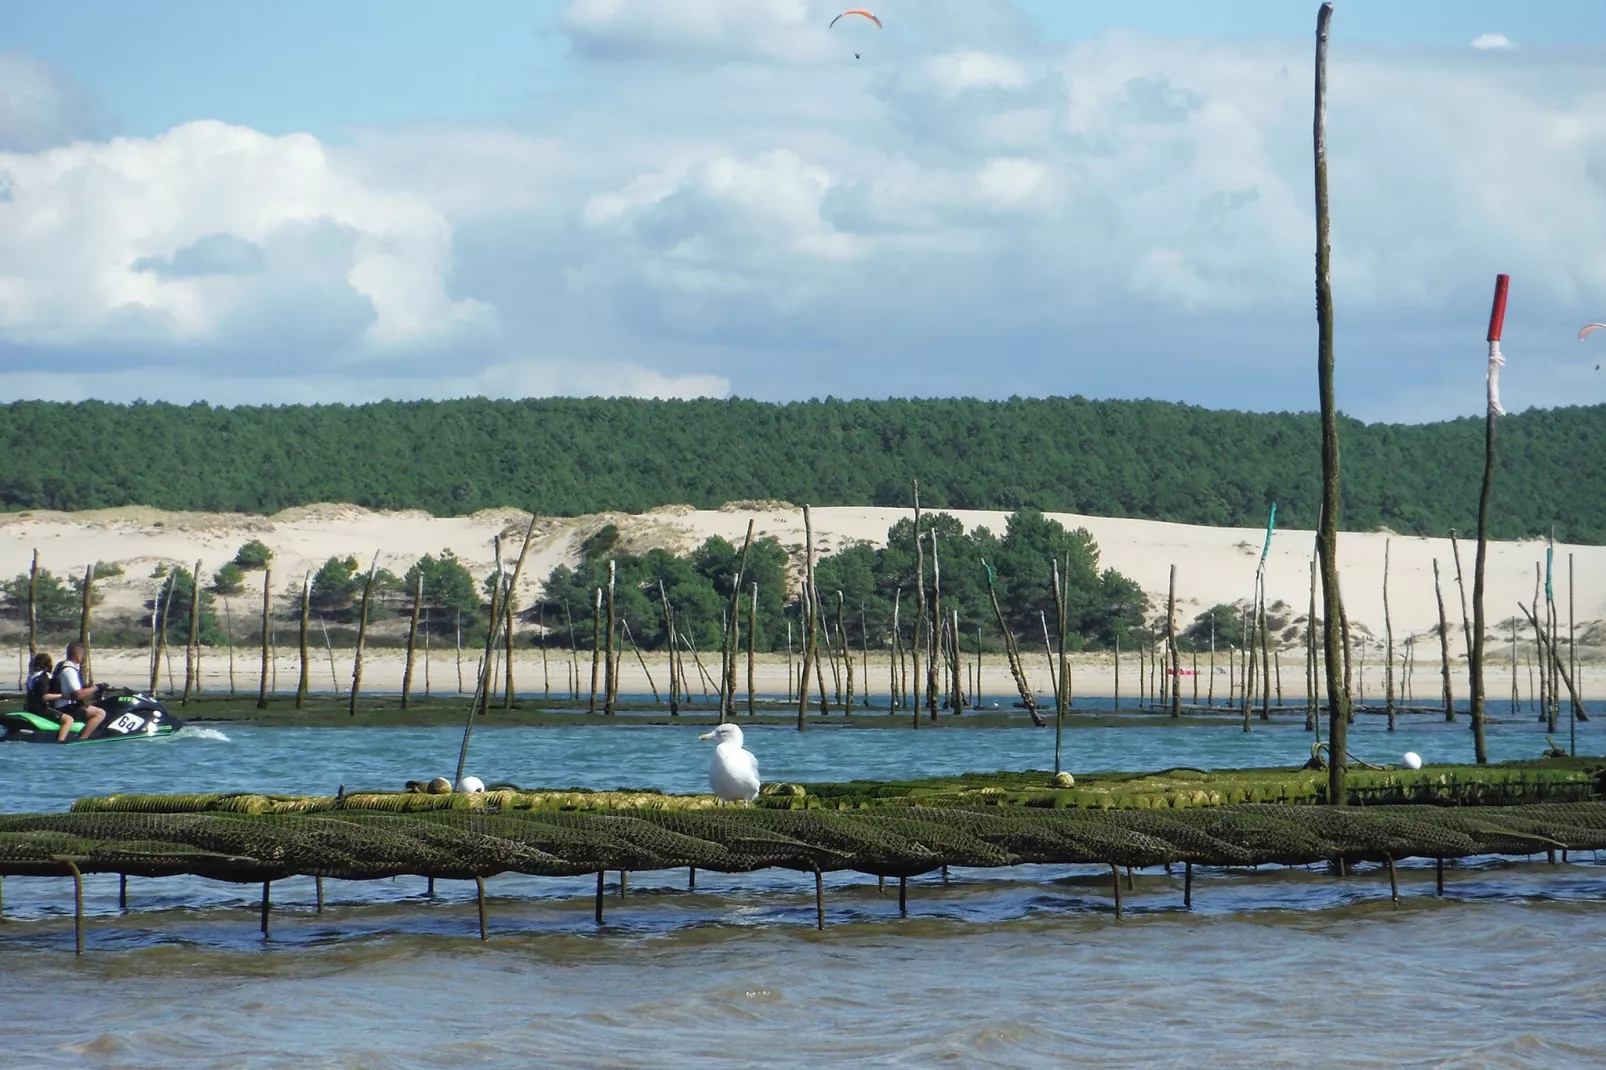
[1020, 968]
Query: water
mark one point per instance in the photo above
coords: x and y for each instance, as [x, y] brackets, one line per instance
[1020, 968]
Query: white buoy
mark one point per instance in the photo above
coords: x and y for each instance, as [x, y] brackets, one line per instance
[733, 774]
[471, 785]
[1413, 760]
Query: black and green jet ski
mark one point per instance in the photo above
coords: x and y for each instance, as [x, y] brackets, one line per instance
[129, 715]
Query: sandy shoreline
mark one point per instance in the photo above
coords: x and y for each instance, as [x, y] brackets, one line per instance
[1092, 676]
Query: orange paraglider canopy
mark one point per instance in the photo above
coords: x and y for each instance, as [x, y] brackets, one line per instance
[1589, 329]
[855, 11]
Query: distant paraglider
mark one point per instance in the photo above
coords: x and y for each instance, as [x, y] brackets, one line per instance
[862, 13]
[1589, 329]
[856, 11]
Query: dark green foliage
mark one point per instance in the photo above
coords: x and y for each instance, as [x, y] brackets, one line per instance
[1101, 604]
[569, 456]
[336, 585]
[230, 579]
[176, 621]
[1229, 628]
[56, 604]
[253, 555]
[448, 587]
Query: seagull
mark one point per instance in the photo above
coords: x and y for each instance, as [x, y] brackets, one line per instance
[733, 774]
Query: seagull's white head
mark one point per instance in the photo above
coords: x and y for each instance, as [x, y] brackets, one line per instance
[725, 733]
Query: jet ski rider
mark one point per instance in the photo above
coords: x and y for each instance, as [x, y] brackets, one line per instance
[70, 702]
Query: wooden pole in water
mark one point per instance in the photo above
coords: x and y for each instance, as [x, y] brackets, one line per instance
[546, 672]
[920, 604]
[1394, 882]
[625, 628]
[267, 637]
[77, 908]
[903, 897]
[33, 612]
[864, 652]
[458, 647]
[819, 900]
[1171, 642]
[479, 895]
[1310, 654]
[1187, 886]
[669, 632]
[266, 904]
[161, 605]
[1497, 315]
[83, 619]
[894, 660]
[1327, 534]
[1115, 880]
[1388, 632]
[847, 653]
[362, 635]
[1265, 656]
[752, 644]
[303, 681]
[510, 605]
[936, 628]
[318, 887]
[425, 628]
[412, 640]
[808, 638]
[1444, 646]
[1210, 691]
[596, 646]
[1117, 660]
[122, 893]
[610, 689]
[597, 913]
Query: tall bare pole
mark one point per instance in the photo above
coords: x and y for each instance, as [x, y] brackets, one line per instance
[752, 643]
[510, 607]
[33, 612]
[192, 645]
[596, 646]
[362, 635]
[732, 646]
[83, 618]
[1444, 646]
[1171, 642]
[1327, 534]
[920, 605]
[1497, 317]
[810, 638]
[267, 635]
[1388, 631]
[304, 679]
[610, 686]
[412, 641]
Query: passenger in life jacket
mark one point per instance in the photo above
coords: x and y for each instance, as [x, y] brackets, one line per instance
[71, 696]
[40, 693]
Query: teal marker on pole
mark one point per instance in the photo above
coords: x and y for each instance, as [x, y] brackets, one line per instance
[1271, 525]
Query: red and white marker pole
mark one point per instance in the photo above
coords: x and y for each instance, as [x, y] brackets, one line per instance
[1497, 323]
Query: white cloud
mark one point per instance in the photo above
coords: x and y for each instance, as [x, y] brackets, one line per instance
[185, 238]
[1485, 42]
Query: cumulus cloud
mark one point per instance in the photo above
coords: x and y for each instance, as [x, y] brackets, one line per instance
[184, 238]
[1486, 42]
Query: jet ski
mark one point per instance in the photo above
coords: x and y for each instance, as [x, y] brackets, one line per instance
[129, 715]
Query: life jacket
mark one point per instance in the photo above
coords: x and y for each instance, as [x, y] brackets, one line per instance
[39, 685]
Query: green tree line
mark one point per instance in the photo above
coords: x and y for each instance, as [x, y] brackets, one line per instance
[571, 456]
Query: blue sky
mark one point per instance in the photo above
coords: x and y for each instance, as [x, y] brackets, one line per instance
[343, 201]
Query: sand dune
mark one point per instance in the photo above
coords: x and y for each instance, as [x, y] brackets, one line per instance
[1213, 564]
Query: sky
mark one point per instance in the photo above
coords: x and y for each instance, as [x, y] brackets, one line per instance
[320, 202]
